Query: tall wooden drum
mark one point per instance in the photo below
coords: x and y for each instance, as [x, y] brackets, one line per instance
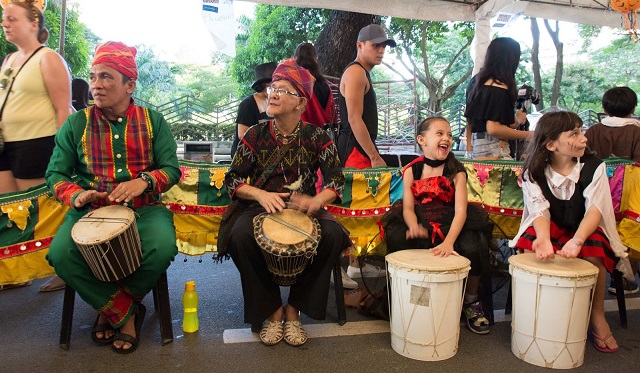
[551, 309]
[108, 240]
[288, 239]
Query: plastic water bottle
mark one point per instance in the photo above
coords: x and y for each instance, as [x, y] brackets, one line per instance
[190, 306]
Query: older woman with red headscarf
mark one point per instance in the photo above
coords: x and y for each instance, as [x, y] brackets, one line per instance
[114, 152]
[275, 168]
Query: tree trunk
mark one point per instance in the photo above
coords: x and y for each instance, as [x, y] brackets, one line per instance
[535, 61]
[336, 44]
[555, 92]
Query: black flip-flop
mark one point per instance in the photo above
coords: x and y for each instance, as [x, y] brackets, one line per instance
[140, 312]
[101, 328]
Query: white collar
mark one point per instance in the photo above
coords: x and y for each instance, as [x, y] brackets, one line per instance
[557, 179]
[619, 122]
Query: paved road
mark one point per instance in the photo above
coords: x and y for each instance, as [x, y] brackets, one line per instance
[30, 323]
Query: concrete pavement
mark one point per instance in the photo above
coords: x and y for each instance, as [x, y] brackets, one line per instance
[30, 325]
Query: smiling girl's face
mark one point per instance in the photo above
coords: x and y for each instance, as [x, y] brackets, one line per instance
[437, 140]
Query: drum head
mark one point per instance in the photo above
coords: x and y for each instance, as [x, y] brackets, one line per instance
[425, 260]
[102, 224]
[558, 267]
[278, 227]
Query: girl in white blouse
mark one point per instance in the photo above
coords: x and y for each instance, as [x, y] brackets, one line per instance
[568, 209]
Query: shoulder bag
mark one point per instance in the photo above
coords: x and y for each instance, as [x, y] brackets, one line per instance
[9, 91]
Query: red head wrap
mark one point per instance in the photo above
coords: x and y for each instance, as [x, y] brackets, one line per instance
[117, 56]
[297, 75]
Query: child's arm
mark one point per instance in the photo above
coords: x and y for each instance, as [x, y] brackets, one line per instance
[459, 217]
[599, 212]
[542, 244]
[537, 211]
[408, 208]
[587, 226]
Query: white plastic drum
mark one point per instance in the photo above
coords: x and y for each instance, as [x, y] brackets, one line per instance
[425, 303]
[551, 308]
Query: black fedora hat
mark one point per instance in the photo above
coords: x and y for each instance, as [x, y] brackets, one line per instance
[263, 74]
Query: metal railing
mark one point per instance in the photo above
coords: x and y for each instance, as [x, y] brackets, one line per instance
[399, 112]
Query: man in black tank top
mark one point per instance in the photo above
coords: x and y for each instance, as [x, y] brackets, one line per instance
[357, 99]
[359, 118]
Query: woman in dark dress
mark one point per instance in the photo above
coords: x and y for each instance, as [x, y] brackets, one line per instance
[491, 98]
[306, 148]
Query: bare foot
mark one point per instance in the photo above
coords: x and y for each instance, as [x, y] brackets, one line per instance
[291, 313]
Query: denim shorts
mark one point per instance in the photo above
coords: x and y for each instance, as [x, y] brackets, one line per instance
[487, 146]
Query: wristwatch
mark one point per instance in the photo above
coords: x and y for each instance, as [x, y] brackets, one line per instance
[148, 179]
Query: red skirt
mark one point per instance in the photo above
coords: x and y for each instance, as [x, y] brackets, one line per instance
[596, 245]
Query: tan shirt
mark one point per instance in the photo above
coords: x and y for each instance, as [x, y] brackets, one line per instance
[29, 112]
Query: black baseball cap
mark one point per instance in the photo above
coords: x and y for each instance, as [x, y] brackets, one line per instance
[375, 34]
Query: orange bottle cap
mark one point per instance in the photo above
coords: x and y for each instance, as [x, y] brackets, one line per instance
[190, 286]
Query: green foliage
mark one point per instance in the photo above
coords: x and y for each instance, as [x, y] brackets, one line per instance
[588, 33]
[584, 82]
[438, 53]
[156, 80]
[582, 87]
[209, 84]
[77, 42]
[618, 63]
[272, 36]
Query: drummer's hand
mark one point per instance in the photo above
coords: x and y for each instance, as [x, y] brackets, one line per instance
[571, 249]
[444, 250]
[417, 231]
[127, 190]
[305, 203]
[88, 196]
[543, 249]
[271, 201]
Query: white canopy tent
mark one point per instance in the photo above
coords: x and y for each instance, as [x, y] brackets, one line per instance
[590, 12]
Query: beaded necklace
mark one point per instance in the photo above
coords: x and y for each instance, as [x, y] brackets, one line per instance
[285, 140]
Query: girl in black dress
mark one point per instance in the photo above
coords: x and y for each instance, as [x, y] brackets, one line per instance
[434, 213]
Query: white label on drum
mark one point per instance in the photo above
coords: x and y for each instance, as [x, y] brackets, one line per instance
[420, 296]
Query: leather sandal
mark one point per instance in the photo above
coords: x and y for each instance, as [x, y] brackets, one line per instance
[271, 333]
[294, 333]
[97, 328]
[55, 283]
[140, 312]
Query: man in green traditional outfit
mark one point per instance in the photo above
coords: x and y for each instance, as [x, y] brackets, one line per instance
[124, 154]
